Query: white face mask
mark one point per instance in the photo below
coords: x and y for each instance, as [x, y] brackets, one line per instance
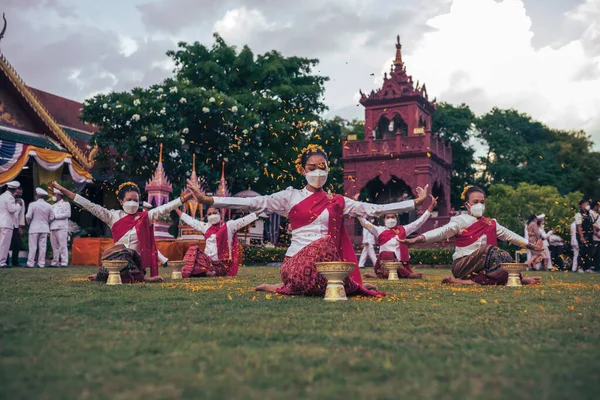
[131, 207]
[316, 178]
[54, 199]
[588, 208]
[477, 210]
[391, 222]
[213, 219]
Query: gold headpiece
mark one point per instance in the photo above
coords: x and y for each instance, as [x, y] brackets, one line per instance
[463, 196]
[122, 185]
[311, 148]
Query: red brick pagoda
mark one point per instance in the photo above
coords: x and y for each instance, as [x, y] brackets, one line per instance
[399, 152]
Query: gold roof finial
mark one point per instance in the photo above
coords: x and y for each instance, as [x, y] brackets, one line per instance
[193, 163]
[160, 155]
[398, 60]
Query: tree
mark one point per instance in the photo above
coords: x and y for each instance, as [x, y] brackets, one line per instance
[512, 206]
[255, 113]
[454, 124]
[524, 150]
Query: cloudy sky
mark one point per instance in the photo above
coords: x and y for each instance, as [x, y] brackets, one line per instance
[538, 56]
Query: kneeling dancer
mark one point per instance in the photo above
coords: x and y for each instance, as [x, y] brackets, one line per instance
[317, 221]
[476, 259]
[221, 252]
[390, 249]
[132, 232]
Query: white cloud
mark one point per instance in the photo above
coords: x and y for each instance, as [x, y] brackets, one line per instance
[481, 53]
[240, 22]
[128, 45]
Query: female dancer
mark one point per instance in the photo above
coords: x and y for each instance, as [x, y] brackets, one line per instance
[391, 249]
[477, 260]
[132, 232]
[316, 218]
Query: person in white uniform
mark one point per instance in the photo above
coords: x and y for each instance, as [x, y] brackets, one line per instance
[19, 230]
[575, 247]
[39, 215]
[9, 211]
[161, 258]
[368, 248]
[59, 230]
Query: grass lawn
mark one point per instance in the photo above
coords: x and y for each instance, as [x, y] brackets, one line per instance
[64, 338]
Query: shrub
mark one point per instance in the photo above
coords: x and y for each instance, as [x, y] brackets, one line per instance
[434, 256]
[263, 255]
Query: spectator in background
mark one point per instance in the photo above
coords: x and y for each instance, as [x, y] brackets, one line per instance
[556, 248]
[585, 236]
[368, 248]
[595, 213]
[534, 236]
[574, 246]
[545, 236]
[19, 230]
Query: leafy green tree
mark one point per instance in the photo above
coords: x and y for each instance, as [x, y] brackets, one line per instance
[512, 206]
[524, 150]
[454, 124]
[254, 113]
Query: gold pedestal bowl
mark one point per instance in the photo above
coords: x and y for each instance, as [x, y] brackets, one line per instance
[176, 269]
[114, 268]
[335, 272]
[392, 269]
[514, 270]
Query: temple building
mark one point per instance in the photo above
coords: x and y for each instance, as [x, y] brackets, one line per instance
[399, 152]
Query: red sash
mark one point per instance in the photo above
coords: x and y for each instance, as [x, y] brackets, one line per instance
[145, 237]
[220, 230]
[483, 226]
[310, 208]
[389, 234]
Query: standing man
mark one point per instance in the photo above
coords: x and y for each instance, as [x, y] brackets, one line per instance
[9, 210]
[574, 246]
[38, 217]
[59, 230]
[368, 247]
[545, 236]
[161, 258]
[585, 235]
[595, 213]
[19, 229]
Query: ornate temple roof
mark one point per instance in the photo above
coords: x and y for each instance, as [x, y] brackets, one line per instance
[222, 190]
[398, 86]
[159, 179]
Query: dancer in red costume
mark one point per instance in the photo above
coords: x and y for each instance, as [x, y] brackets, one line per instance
[132, 232]
[221, 253]
[390, 249]
[318, 233]
[477, 259]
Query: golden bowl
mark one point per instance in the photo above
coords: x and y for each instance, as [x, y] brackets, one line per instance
[114, 268]
[392, 269]
[514, 267]
[335, 272]
[176, 266]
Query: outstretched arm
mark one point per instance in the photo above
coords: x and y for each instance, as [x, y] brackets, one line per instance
[374, 230]
[158, 212]
[239, 223]
[415, 225]
[361, 209]
[194, 223]
[509, 236]
[96, 210]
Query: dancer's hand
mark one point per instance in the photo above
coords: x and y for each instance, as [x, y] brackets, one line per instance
[198, 194]
[409, 242]
[433, 203]
[421, 194]
[186, 195]
[65, 192]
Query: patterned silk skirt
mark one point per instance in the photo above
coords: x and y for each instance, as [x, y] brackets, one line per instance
[483, 266]
[132, 273]
[198, 265]
[300, 276]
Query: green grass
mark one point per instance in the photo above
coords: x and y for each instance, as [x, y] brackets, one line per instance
[63, 338]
